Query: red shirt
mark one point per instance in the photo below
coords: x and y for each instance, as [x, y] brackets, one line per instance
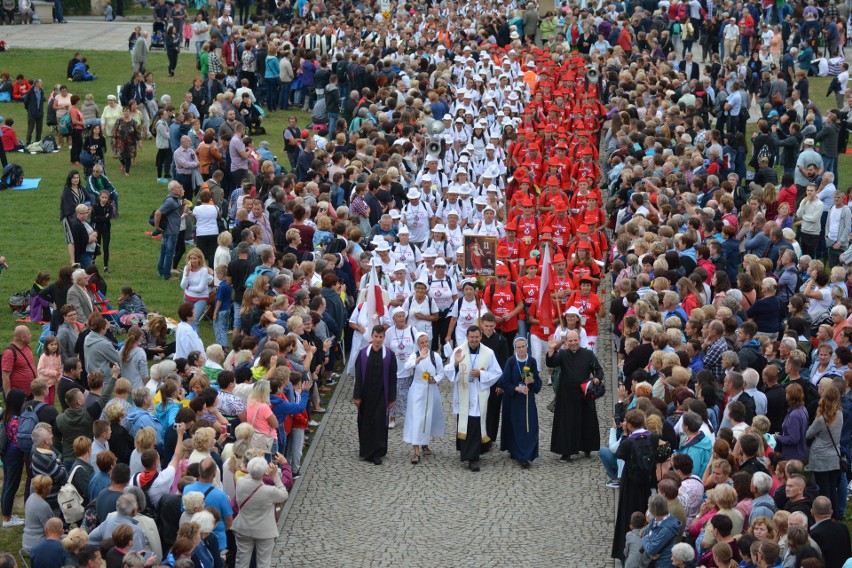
[589, 308]
[21, 366]
[538, 329]
[529, 289]
[501, 302]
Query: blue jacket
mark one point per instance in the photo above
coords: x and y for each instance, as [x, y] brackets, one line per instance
[138, 419]
[659, 538]
[700, 449]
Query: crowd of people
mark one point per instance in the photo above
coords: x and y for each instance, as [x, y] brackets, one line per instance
[617, 171]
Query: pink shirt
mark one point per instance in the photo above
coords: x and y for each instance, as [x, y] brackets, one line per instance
[259, 421]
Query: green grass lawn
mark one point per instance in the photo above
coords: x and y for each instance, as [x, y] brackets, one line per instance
[31, 237]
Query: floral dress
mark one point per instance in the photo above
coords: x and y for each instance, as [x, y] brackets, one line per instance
[125, 139]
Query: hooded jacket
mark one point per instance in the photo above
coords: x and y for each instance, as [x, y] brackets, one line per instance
[699, 448]
[138, 419]
[659, 539]
[100, 354]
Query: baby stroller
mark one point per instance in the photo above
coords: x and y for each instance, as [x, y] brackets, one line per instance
[158, 35]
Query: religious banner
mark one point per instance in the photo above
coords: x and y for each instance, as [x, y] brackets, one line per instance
[480, 255]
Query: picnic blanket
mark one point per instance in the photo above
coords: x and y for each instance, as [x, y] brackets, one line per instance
[29, 183]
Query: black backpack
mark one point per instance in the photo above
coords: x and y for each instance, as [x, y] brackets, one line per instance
[150, 510]
[13, 176]
[642, 467]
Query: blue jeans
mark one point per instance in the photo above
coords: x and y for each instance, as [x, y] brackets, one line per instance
[198, 46]
[198, 308]
[13, 468]
[220, 327]
[609, 462]
[842, 494]
[167, 254]
[86, 260]
[271, 84]
[332, 121]
[237, 319]
[58, 12]
[284, 95]
[830, 165]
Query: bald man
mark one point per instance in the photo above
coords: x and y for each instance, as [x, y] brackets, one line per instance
[18, 365]
[575, 418]
[831, 536]
[49, 553]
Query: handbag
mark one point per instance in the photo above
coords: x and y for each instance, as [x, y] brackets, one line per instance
[260, 440]
[844, 461]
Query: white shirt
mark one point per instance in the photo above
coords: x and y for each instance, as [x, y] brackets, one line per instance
[205, 219]
[466, 314]
[186, 340]
[401, 343]
[843, 78]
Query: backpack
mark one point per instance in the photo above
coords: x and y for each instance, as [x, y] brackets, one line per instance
[13, 176]
[48, 145]
[70, 501]
[149, 510]
[65, 124]
[643, 462]
[258, 271]
[26, 424]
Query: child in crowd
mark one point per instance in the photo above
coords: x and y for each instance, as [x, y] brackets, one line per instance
[50, 366]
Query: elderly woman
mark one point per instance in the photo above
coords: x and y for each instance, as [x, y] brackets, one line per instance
[682, 555]
[765, 311]
[838, 318]
[823, 364]
[37, 512]
[520, 383]
[662, 532]
[255, 526]
[68, 332]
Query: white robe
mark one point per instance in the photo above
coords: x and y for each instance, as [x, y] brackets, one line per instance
[488, 377]
[425, 420]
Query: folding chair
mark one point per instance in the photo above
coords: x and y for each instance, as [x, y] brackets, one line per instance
[23, 555]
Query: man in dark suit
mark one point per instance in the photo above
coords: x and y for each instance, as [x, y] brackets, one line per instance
[34, 103]
[689, 68]
[831, 536]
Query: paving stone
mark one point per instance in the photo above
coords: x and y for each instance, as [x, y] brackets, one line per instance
[351, 513]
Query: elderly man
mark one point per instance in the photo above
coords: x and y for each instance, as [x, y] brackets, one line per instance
[213, 497]
[803, 520]
[762, 505]
[49, 553]
[46, 462]
[575, 417]
[18, 365]
[750, 380]
[79, 295]
[84, 237]
[261, 219]
[126, 509]
[186, 165]
[99, 182]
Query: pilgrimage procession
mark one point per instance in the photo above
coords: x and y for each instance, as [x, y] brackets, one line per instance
[501, 236]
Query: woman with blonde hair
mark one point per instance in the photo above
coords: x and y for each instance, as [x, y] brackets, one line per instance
[196, 281]
[146, 439]
[203, 441]
[75, 541]
[260, 416]
[823, 437]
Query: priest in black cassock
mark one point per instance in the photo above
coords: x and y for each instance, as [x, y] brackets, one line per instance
[575, 418]
[495, 341]
[375, 395]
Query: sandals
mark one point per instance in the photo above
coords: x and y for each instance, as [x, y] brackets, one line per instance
[427, 451]
[416, 459]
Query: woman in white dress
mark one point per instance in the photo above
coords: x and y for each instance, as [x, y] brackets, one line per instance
[424, 408]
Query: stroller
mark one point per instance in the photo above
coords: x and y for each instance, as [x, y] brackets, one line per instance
[158, 35]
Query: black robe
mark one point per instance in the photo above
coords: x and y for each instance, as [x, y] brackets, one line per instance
[375, 389]
[498, 344]
[632, 495]
[575, 418]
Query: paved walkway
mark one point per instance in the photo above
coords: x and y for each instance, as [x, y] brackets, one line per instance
[79, 34]
[351, 513]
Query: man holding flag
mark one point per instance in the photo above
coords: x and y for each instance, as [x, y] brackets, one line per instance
[369, 313]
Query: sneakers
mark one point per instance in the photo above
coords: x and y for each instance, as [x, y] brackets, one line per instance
[13, 521]
[392, 424]
[313, 423]
[613, 483]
